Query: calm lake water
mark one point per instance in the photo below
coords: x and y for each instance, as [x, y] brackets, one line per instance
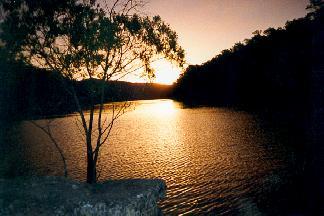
[214, 160]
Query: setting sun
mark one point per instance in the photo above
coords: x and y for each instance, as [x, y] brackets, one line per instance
[165, 72]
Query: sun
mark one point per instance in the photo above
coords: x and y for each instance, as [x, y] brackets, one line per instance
[165, 72]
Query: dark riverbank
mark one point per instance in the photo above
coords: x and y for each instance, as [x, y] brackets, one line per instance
[59, 196]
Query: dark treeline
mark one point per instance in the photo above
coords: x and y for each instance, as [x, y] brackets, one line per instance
[269, 71]
[29, 92]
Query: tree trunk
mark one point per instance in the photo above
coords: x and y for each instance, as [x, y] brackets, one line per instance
[91, 170]
[91, 164]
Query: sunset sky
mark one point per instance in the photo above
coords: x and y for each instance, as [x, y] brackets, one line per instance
[206, 27]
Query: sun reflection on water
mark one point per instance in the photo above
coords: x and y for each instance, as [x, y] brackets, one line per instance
[210, 158]
[158, 107]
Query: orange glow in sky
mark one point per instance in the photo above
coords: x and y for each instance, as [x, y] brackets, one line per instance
[206, 27]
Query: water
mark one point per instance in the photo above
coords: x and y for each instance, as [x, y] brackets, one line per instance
[214, 160]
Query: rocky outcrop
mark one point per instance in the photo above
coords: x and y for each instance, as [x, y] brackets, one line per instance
[59, 196]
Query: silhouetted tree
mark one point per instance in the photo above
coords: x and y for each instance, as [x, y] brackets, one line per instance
[315, 6]
[87, 40]
[271, 70]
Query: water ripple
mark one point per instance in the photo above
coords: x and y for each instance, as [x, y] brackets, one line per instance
[212, 159]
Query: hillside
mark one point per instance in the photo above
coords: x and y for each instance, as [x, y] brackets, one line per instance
[271, 70]
[29, 92]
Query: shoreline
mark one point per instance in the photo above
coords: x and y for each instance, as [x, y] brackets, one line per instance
[60, 196]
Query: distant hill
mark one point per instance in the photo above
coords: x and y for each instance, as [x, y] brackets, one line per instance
[269, 71]
[123, 91]
[29, 92]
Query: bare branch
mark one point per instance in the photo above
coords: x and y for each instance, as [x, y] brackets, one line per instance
[48, 132]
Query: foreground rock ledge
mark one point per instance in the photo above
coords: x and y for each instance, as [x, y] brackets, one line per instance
[59, 196]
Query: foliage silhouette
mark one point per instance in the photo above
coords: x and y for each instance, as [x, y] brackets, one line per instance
[269, 71]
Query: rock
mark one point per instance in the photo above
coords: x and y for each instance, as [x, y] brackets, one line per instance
[60, 196]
